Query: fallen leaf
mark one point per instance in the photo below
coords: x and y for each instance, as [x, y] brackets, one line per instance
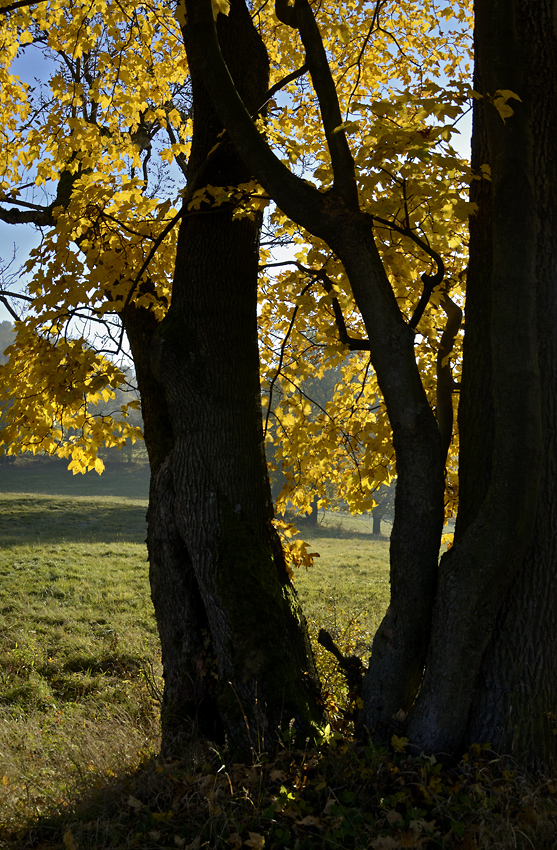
[69, 840]
[309, 820]
[134, 803]
[255, 840]
[277, 774]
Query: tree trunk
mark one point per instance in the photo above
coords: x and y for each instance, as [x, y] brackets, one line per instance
[236, 657]
[501, 473]
[400, 645]
[516, 693]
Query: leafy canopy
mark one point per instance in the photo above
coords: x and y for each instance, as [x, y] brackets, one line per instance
[96, 155]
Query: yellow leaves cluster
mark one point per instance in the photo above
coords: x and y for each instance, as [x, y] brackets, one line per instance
[248, 199]
[103, 108]
[296, 553]
[49, 390]
[402, 124]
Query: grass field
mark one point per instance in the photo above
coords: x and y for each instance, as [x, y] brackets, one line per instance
[79, 654]
[80, 690]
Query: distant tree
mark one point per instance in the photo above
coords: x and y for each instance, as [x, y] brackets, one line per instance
[6, 339]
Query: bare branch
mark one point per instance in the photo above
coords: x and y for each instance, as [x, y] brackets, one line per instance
[288, 79]
[281, 356]
[9, 308]
[41, 217]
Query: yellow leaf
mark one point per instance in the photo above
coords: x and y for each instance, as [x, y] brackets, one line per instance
[255, 840]
[220, 6]
[398, 744]
[69, 840]
[500, 99]
[348, 127]
[180, 13]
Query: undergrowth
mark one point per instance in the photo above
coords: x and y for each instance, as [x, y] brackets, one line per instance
[337, 796]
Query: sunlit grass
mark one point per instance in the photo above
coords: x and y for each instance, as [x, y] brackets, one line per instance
[79, 704]
[79, 652]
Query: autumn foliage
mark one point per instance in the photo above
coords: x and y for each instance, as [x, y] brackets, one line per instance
[96, 156]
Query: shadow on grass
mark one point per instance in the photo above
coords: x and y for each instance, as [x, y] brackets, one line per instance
[353, 795]
[51, 477]
[28, 519]
[338, 532]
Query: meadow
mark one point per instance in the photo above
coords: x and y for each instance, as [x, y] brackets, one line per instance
[80, 693]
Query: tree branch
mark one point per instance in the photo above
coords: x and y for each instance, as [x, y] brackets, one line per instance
[288, 79]
[298, 200]
[40, 217]
[429, 281]
[19, 4]
[4, 295]
[353, 343]
[301, 17]
[445, 383]
[281, 356]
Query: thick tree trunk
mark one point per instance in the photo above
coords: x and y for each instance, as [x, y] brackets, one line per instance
[400, 645]
[500, 474]
[516, 693]
[236, 657]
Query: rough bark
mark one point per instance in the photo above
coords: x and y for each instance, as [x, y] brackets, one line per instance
[479, 571]
[516, 694]
[236, 657]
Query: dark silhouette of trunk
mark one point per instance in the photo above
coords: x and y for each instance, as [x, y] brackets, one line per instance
[400, 645]
[376, 517]
[313, 515]
[492, 670]
[516, 692]
[452, 617]
[236, 657]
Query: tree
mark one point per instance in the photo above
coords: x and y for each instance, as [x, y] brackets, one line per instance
[230, 665]
[508, 451]
[219, 581]
[236, 655]
[456, 620]
[372, 219]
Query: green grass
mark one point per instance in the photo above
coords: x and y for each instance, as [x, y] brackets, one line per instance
[79, 702]
[79, 653]
[51, 477]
